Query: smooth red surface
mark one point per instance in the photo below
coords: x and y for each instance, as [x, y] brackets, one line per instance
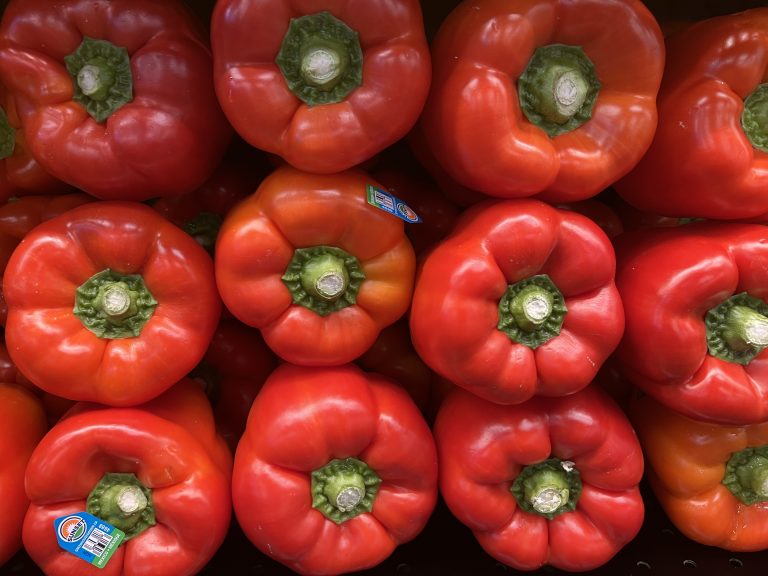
[22, 425]
[701, 163]
[166, 141]
[302, 419]
[668, 279]
[170, 444]
[246, 36]
[473, 120]
[53, 348]
[454, 313]
[483, 446]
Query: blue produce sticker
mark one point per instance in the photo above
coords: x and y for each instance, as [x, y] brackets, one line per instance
[390, 203]
[88, 537]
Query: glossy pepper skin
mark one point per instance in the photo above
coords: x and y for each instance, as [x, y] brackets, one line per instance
[463, 319]
[688, 470]
[306, 421]
[484, 134]
[313, 124]
[156, 130]
[486, 449]
[695, 304]
[315, 267]
[170, 446]
[702, 162]
[20, 173]
[109, 302]
[19, 216]
[23, 423]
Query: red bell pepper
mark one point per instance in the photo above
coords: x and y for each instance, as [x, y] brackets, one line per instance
[518, 300]
[697, 318]
[22, 425]
[314, 266]
[324, 85]
[547, 97]
[19, 216]
[232, 372]
[709, 157]
[164, 454]
[115, 97]
[711, 480]
[551, 481]
[20, 173]
[336, 468]
[109, 302]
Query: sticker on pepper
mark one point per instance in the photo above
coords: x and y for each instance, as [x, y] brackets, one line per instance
[391, 203]
[88, 537]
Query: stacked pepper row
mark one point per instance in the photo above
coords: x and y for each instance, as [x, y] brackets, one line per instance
[313, 267]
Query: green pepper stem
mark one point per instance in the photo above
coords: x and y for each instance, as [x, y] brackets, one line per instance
[113, 305]
[101, 77]
[531, 307]
[548, 488]
[754, 117]
[746, 475]
[737, 329]
[322, 65]
[558, 88]
[95, 79]
[124, 502]
[746, 328]
[532, 311]
[321, 59]
[343, 489]
[324, 279]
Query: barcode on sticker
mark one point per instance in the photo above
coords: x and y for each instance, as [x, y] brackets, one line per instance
[88, 537]
[383, 200]
[97, 542]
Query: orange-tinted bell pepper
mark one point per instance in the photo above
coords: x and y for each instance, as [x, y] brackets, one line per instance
[711, 480]
[308, 261]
